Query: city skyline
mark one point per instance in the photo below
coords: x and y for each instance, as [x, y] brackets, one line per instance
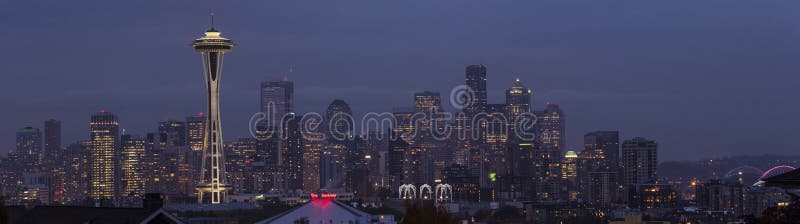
[459, 111]
[708, 98]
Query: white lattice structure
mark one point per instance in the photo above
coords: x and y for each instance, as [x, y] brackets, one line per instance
[407, 191]
[425, 192]
[212, 183]
[444, 192]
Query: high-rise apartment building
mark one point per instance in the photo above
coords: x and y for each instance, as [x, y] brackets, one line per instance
[639, 162]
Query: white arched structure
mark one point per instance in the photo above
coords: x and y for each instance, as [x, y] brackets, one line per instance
[407, 191]
[425, 192]
[444, 192]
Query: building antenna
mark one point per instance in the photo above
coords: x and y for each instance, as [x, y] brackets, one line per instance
[212, 20]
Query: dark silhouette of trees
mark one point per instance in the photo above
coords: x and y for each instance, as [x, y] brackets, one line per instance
[508, 214]
[3, 211]
[424, 212]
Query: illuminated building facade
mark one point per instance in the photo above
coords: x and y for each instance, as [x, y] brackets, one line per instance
[476, 104]
[396, 161]
[132, 166]
[104, 141]
[339, 120]
[175, 131]
[518, 101]
[601, 187]
[29, 147]
[429, 103]
[569, 174]
[240, 154]
[292, 154]
[546, 173]
[155, 146]
[476, 81]
[213, 187]
[403, 125]
[639, 161]
[551, 127]
[656, 196]
[496, 137]
[718, 195]
[276, 100]
[53, 159]
[605, 144]
[195, 131]
[76, 171]
[52, 139]
[313, 146]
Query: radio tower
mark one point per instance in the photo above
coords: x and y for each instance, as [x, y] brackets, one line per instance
[213, 187]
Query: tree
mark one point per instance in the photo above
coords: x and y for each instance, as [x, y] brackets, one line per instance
[507, 213]
[3, 211]
[426, 212]
[483, 215]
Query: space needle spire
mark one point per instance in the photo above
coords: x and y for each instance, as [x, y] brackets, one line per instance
[213, 187]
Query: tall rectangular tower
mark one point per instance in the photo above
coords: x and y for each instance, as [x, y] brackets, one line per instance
[29, 147]
[103, 145]
[132, 166]
[639, 162]
[605, 143]
[476, 81]
[276, 100]
[52, 139]
[551, 127]
[195, 131]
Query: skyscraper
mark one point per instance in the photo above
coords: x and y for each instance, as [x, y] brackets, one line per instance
[29, 147]
[429, 103]
[550, 127]
[403, 125]
[639, 162]
[313, 145]
[76, 167]
[339, 120]
[276, 100]
[212, 47]
[397, 154]
[518, 101]
[52, 139]
[496, 137]
[292, 153]
[476, 81]
[104, 140]
[132, 166]
[195, 131]
[475, 104]
[52, 159]
[605, 143]
[175, 131]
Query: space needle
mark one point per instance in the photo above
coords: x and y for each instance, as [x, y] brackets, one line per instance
[213, 187]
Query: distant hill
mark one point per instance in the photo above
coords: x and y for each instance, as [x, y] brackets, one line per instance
[717, 167]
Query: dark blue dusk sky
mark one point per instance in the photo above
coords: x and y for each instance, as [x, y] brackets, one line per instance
[703, 78]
